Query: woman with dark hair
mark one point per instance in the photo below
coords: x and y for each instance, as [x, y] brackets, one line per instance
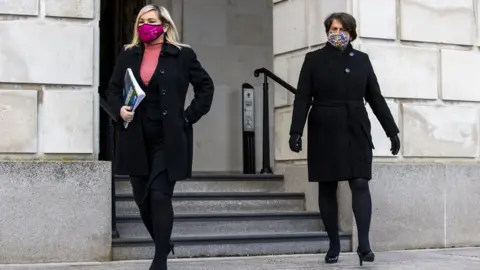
[333, 84]
[155, 150]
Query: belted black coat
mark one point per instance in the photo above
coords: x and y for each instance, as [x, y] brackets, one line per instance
[332, 88]
[176, 70]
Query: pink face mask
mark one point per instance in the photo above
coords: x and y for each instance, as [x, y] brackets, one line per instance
[149, 32]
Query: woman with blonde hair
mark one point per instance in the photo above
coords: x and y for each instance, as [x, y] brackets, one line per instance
[155, 149]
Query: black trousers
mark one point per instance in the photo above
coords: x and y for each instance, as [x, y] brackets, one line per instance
[156, 209]
[362, 210]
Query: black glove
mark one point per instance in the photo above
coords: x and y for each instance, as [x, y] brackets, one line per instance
[295, 143]
[395, 141]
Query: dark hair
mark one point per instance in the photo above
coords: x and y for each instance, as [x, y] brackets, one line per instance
[348, 22]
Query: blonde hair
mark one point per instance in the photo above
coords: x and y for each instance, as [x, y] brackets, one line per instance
[171, 33]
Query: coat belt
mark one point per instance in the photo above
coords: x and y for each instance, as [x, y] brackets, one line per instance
[354, 121]
[339, 103]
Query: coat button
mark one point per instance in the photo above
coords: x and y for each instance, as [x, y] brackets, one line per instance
[162, 71]
[347, 70]
[164, 92]
[352, 54]
[165, 112]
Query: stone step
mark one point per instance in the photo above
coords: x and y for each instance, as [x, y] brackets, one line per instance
[210, 202]
[123, 186]
[221, 176]
[230, 245]
[227, 223]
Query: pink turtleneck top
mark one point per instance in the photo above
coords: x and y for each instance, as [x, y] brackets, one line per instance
[149, 61]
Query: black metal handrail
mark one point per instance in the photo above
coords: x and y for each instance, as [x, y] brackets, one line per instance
[271, 75]
[266, 168]
[111, 156]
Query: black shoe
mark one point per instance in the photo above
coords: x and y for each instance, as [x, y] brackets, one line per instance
[331, 256]
[365, 257]
[163, 264]
[331, 259]
[159, 266]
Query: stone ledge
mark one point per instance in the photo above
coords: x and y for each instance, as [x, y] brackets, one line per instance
[415, 205]
[56, 211]
[418, 206]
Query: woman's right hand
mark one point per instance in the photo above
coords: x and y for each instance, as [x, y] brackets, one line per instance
[295, 143]
[126, 114]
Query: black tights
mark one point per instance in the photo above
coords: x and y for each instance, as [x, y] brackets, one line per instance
[157, 215]
[362, 210]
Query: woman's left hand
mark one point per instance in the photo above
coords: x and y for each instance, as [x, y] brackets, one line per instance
[395, 141]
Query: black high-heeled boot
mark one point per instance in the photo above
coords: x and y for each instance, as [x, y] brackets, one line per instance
[365, 257]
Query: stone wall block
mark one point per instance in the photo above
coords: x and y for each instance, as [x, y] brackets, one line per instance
[380, 140]
[317, 12]
[397, 67]
[289, 26]
[440, 131]
[283, 118]
[460, 75]
[61, 54]
[294, 66]
[438, 21]
[377, 19]
[18, 121]
[280, 68]
[70, 8]
[67, 123]
[19, 7]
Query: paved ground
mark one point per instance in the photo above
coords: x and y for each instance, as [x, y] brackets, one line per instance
[451, 259]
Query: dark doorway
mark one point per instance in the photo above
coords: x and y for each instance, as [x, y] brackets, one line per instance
[117, 18]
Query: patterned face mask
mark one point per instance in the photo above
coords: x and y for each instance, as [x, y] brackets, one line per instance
[339, 40]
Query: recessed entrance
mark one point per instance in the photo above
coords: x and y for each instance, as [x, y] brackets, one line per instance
[116, 27]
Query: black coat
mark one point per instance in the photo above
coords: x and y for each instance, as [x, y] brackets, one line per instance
[332, 87]
[176, 69]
